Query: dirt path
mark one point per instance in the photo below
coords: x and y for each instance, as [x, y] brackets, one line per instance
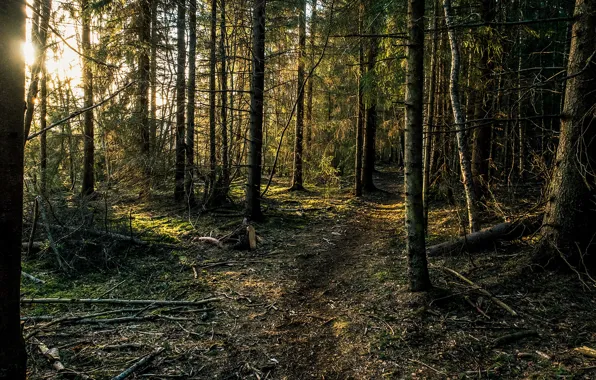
[319, 325]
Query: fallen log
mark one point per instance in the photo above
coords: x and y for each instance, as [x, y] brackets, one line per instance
[484, 238]
[116, 301]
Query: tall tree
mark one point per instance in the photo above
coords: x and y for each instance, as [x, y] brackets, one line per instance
[360, 108]
[370, 129]
[144, 68]
[415, 236]
[180, 99]
[13, 358]
[567, 234]
[309, 84]
[88, 185]
[297, 177]
[225, 147]
[257, 86]
[190, 118]
[212, 102]
[460, 121]
[39, 34]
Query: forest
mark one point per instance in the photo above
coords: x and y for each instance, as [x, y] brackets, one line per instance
[295, 189]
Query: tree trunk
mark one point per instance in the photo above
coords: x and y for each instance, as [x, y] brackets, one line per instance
[567, 233]
[430, 116]
[370, 130]
[415, 239]
[225, 149]
[460, 122]
[39, 34]
[43, 138]
[297, 177]
[212, 105]
[13, 358]
[180, 99]
[253, 191]
[88, 186]
[309, 85]
[190, 117]
[153, 83]
[144, 32]
[360, 110]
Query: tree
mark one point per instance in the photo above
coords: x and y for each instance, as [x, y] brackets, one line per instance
[370, 128]
[460, 121]
[257, 86]
[190, 118]
[567, 234]
[212, 103]
[13, 358]
[297, 177]
[88, 185]
[180, 99]
[415, 236]
[144, 68]
[360, 108]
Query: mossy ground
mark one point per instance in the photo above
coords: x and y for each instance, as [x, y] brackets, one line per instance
[324, 296]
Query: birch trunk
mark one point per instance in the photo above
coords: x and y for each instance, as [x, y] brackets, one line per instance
[460, 121]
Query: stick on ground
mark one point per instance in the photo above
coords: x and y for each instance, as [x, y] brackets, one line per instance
[135, 367]
[116, 301]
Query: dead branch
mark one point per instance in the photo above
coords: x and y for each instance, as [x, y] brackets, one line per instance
[32, 278]
[116, 301]
[135, 367]
[61, 262]
[501, 232]
[52, 354]
[514, 337]
[586, 351]
[30, 244]
[211, 240]
[481, 290]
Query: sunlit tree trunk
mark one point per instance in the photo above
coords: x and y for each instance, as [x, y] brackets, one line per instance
[190, 117]
[153, 84]
[297, 177]
[13, 358]
[180, 99]
[415, 239]
[43, 138]
[253, 191]
[460, 122]
[568, 232]
[88, 186]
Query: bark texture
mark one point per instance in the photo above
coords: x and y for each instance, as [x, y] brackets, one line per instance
[460, 121]
[13, 358]
[88, 185]
[180, 99]
[297, 177]
[190, 117]
[567, 234]
[415, 239]
[253, 191]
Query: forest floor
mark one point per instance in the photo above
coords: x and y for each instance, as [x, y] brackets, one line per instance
[323, 296]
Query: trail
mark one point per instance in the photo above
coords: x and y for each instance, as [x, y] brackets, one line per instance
[324, 317]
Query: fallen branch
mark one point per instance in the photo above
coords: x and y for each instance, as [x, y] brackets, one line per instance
[59, 259]
[135, 367]
[32, 278]
[116, 301]
[514, 337]
[501, 232]
[30, 243]
[586, 351]
[481, 290]
[211, 240]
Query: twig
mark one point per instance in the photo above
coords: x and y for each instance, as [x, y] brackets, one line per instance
[52, 354]
[146, 359]
[33, 227]
[514, 336]
[116, 301]
[428, 366]
[481, 290]
[61, 262]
